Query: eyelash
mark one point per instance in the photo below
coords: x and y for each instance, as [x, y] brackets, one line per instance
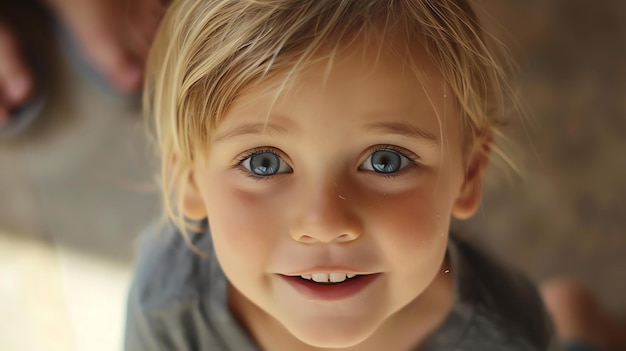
[413, 159]
[240, 159]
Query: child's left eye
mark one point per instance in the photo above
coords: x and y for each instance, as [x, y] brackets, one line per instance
[265, 164]
[385, 161]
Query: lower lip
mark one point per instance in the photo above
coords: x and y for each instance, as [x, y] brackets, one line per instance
[330, 292]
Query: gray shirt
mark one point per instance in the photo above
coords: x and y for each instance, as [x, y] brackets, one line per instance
[178, 301]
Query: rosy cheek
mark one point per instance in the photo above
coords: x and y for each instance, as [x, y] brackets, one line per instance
[409, 221]
[239, 223]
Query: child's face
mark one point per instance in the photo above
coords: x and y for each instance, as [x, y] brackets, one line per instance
[358, 171]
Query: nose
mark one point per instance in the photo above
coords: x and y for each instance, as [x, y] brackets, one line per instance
[325, 215]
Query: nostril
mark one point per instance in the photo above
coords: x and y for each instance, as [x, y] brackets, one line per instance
[307, 239]
[345, 237]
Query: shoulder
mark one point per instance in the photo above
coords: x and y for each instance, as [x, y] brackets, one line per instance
[168, 271]
[177, 299]
[507, 307]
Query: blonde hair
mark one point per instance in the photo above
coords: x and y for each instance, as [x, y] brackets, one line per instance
[207, 51]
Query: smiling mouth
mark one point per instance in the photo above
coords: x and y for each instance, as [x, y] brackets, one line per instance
[329, 278]
[330, 286]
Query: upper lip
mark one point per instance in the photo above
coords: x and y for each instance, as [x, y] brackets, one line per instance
[322, 269]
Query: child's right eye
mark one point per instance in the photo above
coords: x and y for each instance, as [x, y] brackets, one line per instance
[264, 163]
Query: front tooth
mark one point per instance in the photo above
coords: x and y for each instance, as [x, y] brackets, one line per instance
[351, 275]
[306, 276]
[320, 277]
[337, 277]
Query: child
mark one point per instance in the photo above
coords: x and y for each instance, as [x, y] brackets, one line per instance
[317, 150]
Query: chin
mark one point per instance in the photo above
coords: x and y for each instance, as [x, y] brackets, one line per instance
[333, 335]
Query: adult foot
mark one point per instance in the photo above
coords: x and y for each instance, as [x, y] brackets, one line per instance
[16, 82]
[114, 35]
[578, 316]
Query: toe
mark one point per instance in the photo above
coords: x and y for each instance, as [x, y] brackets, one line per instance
[4, 116]
[143, 23]
[575, 311]
[16, 83]
[120, 67]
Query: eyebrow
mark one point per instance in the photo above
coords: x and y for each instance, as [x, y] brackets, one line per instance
[251, 128]
[403, 129]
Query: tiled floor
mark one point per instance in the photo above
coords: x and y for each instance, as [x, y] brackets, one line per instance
[76, 190]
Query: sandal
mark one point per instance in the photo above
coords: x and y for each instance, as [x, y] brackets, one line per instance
[74, 54]
[23, 116]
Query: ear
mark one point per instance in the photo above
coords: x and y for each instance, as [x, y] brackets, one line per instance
[468, 200]
[193, 204]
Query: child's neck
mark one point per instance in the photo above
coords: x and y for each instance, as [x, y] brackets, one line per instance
[403, 331]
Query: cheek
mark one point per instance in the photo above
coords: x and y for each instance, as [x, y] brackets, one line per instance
[241, 225]
[411, 216]
[411, 225]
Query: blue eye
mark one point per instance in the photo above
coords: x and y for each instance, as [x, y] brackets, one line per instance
[265, 164]
[385, 161]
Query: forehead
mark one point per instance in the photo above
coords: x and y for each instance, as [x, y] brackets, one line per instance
[371, 66]
[353, 93]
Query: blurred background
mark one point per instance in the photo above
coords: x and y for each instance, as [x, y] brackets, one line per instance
[77, 188]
